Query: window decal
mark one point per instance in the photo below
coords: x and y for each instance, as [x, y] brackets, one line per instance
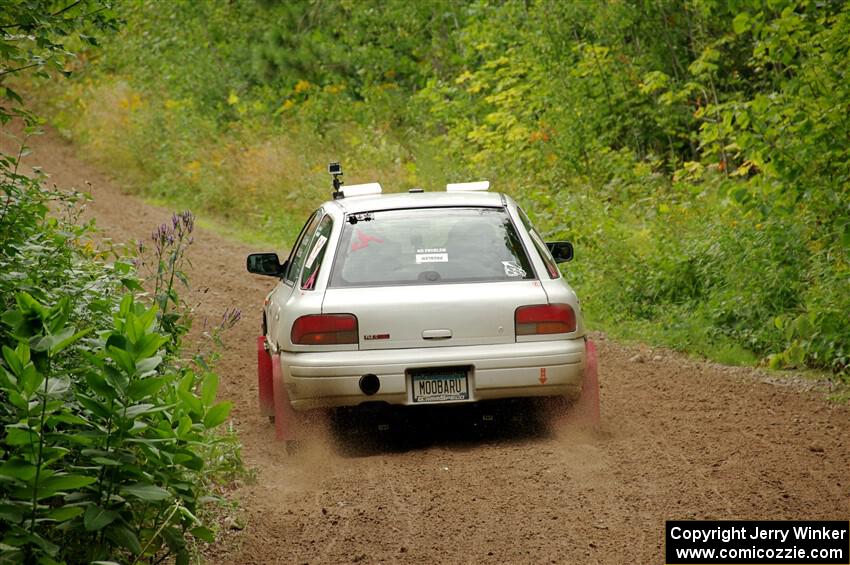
[512, 269]
[320, 243]
[363, 240]
[432, 255]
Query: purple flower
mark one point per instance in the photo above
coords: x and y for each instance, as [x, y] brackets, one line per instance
[188, 220]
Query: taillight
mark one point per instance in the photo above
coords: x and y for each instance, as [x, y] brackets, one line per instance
[545, 319]
[324, 329]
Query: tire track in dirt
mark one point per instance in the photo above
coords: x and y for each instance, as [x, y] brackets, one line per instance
[681, 439]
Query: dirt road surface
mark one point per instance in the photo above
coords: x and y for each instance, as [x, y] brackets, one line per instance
[681, 439]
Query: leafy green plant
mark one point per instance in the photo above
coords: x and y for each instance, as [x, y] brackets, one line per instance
[35, 39]
[101, 457]
[104, 429]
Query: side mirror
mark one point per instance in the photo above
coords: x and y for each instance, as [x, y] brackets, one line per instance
[562, 251]
[265, 264]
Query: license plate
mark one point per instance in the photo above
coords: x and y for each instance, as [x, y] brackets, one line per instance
[439, 385]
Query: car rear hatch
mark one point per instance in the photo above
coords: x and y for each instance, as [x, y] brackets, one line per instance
[434, 316]
[430, 277]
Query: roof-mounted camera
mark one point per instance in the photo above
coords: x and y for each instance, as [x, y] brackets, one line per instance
[335, 170]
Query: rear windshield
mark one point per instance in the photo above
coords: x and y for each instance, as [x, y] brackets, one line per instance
[429, 246]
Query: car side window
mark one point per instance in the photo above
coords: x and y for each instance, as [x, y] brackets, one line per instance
[540, 245]
[313, 262]
[299, 252]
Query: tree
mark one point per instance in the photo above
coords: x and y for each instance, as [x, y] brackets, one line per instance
[35, 36]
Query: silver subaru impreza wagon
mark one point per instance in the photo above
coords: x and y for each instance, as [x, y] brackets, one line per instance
[418, 298]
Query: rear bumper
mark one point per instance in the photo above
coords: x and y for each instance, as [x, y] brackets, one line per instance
[515, 370]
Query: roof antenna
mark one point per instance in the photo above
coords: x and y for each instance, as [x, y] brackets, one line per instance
[335, 169]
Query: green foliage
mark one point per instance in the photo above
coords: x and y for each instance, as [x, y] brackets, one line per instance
[105, 432]
[696, 151]
[34, 35]
[101, 457]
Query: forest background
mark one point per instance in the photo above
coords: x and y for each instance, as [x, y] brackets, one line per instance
[696, 152]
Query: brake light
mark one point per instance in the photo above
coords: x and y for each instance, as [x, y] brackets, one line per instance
[545, 319]
[324, 329]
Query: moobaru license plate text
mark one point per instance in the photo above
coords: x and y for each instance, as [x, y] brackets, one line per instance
[440, 388]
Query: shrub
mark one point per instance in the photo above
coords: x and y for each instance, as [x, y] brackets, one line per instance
[104, 430]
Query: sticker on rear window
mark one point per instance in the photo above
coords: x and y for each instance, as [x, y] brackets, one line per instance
[432, 255]
[432, 258]
[363, 240]
[512, 269]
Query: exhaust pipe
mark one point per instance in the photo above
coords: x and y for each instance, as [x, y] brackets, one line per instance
[370, 384]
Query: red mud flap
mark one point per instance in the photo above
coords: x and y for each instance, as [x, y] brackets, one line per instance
[286, 420]
[588, 404]
[264, 378]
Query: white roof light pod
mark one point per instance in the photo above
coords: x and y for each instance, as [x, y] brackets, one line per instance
[468, 186]
[361, 189]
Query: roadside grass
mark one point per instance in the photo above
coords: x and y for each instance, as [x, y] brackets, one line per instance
[690, 338]
[256, 179]
[237, 232]
[842, 396]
